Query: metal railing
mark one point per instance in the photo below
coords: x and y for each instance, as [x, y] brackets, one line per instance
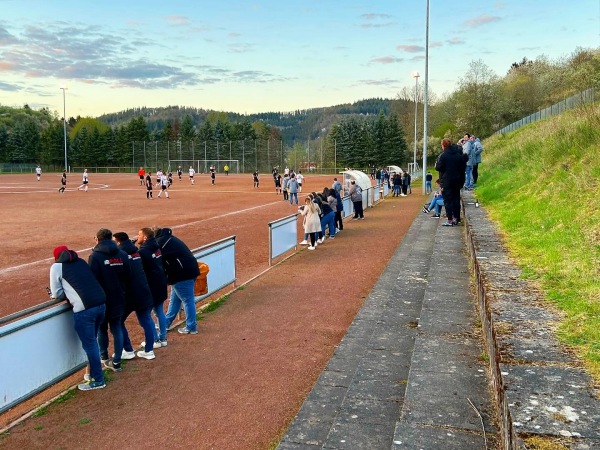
[587, 96]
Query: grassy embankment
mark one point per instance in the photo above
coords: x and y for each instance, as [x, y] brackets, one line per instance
[541, 184]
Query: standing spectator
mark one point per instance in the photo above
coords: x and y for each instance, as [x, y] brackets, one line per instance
[286, 171]
[157, 280]
[181, 269]
[138, 299]
[478, 150]
[192, 172]
[179, 172]
[293, 189]
[428, 180]
[226, 169]
[286, 179]
[38, 172]
[451, 166]
[63, 182]
[357, 200]
[164, 181]
[149, 186]
[409, 180]
[329, 207]
[84, 181]
[312, 225]
[336, 185]
[468, 150]
[404, 184]
[300, 180]
[71, 278]
[386, 177]
[339, 220]
[142, 175]
[111, 268]
[397, 184]
[255, 175]
[378, 176]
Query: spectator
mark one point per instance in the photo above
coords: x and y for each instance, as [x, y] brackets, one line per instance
[339, 220]
[71, 278]
[111, 268]
[286, 179]
[378, 177]
[428, 180]
[181, 269]
[329, 206]
[397, 184]
[451, 166]
[405, 181]
[469, 152]
[409, 180]
[311, 223]
[437, 202]
[478, 150]
[293, 189]
[138, 299]
[357, 201]
[336, 185]
[157, 280]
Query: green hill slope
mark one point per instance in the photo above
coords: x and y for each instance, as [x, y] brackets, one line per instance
[541, 185]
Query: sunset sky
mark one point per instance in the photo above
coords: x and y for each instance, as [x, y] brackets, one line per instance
[266, 55]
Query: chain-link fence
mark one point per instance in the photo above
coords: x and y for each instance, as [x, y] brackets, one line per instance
[587, 96]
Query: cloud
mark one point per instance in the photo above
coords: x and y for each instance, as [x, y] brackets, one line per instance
[379, 25]
[240, 48]
[410, 48]
[435, 44]
[9, 87]
[388, 82]
[178, 20]
[481, 20]
[373, 20]
[455, 41]
[374, 16]
[386, 60]
[6, 38]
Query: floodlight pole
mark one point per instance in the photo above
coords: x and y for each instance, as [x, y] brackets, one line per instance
[65, 122]
[416, 77]
[425, 106]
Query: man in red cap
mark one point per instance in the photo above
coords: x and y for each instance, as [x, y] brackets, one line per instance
[72, 279]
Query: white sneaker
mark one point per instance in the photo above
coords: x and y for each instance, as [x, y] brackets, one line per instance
[146, 355]
[320, 241]
[127, 355]
[155, 345]
[310, 247]
[304, 242]
[337, 230]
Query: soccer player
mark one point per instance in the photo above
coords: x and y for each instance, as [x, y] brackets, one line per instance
[164, 181]
[63, 182]
[84, 181]
[179, 172]
[141, 174]
[255, 175]
[192, 173]
[213, 174]
[38, 172]
[149, 186]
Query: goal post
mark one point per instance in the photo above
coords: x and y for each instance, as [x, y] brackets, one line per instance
[203, 165]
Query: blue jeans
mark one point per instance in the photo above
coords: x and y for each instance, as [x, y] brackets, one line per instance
[292, 196]
[145, 320]
[469, 176]
[396, 189]
[427, 187]
[328, 220]
[436, 203]
[161, 333]
[86, 324]
[183, 292]
[117, 332]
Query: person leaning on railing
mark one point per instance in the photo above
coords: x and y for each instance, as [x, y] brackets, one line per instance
[72, 279]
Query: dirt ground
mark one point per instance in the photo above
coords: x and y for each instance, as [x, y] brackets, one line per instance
[240, 381]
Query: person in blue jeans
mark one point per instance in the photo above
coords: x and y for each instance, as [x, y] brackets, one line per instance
[428, 180]
[157, 280]
[293, 189]
[138, 300]
[328, 217]
[72, 279]
[181, 269]
[437, 202]
[110, 266]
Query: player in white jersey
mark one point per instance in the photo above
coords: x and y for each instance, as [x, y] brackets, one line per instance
[300, 179]
[192, 173]
[164, 181]
[84, 181]
[38, 172]
[158, 175]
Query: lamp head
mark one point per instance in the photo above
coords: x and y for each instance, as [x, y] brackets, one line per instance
[415, 74]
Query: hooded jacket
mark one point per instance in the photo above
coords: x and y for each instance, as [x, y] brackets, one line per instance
[179, 263]
[478, 150]
[153, 267]
[71, 278]
[451, 165]
[110, 265]
[138, 295]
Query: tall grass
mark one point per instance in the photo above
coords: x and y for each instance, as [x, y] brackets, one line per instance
[541, 185]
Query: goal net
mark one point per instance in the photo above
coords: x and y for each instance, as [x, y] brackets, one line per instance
[203, 165]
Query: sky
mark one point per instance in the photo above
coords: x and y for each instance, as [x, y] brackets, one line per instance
[266, 55]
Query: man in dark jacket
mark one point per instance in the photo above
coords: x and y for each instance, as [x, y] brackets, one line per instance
[451, 166]
[157, 280]
[71, 278]
[138, 299]
[181, 269]
[111, 268]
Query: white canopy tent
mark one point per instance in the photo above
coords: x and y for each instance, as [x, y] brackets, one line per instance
[361, 178]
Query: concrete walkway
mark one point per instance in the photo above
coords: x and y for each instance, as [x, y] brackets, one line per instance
[410, 371]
